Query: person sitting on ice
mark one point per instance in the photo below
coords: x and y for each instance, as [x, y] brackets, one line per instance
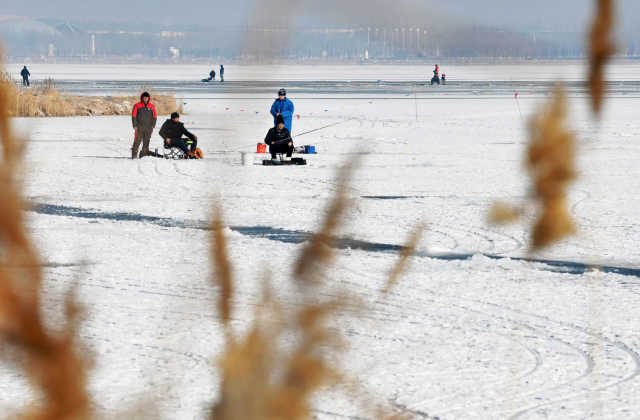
[279, 139]
[172, 131]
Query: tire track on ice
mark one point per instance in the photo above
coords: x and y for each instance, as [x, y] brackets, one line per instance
[588, 370]
[590, 363]
[401, 310]
[518, 244]
[621, 346]
[515, 381]
[489, 243]
[574, 208]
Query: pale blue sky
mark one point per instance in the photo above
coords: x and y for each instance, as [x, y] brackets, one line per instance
[513, 13]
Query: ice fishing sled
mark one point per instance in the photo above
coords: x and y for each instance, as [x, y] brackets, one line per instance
[176, 153]
[296, 161]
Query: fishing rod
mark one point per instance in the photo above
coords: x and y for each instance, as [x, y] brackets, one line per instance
[307, 132]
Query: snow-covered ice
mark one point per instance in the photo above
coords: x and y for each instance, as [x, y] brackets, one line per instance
[478, 336]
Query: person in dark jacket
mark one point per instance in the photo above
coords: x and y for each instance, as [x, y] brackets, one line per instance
[279, 139]
[25, 76]
[284, 107]
[221, 73]
[143, 118]
[212, 75]
[172, 131]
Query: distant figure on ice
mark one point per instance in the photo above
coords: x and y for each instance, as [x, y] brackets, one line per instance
[144, 119]
[25, 76]
[279, 139]
[221, 73]
[436, 75]
[284, 107]
[212, 75]
[172, 131]
[444, 79]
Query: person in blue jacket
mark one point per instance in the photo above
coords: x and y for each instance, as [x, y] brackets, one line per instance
[283, 106]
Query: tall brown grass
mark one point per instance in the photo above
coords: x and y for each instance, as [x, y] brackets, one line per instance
[601, 48]
[50, 360]
[44, 99]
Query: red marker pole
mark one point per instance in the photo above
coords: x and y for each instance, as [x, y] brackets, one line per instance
[516, 95]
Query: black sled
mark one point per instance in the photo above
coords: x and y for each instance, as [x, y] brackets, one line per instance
[278, 162]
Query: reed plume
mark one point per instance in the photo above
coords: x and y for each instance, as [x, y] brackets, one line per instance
[550, 162]
[601, 48]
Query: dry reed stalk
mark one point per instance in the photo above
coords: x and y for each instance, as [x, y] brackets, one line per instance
[550, 161]
[222, 268]
[50, 361]
[503, 213]
[261, 380]
[401, 265]
[601, 48]
[317, 254]
[8, 85]
[264, 377]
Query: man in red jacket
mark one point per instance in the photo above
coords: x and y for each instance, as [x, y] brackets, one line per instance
[144, 119]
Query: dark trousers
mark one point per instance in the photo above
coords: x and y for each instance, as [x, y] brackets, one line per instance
[144, 137]
[283, 147]
[25, 81]
[182, 144]
[221, 77]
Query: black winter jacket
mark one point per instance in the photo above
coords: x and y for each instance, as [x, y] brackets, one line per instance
[174, 130]
[276, 136]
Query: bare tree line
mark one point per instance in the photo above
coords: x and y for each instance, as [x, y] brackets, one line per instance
[335, 42]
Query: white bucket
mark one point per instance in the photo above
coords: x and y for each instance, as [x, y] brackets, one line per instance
[247, 158]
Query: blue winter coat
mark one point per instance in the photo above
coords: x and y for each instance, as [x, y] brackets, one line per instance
[285, 108]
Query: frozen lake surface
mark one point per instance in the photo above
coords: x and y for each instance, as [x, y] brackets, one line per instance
[474, 330]
[626, 70]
